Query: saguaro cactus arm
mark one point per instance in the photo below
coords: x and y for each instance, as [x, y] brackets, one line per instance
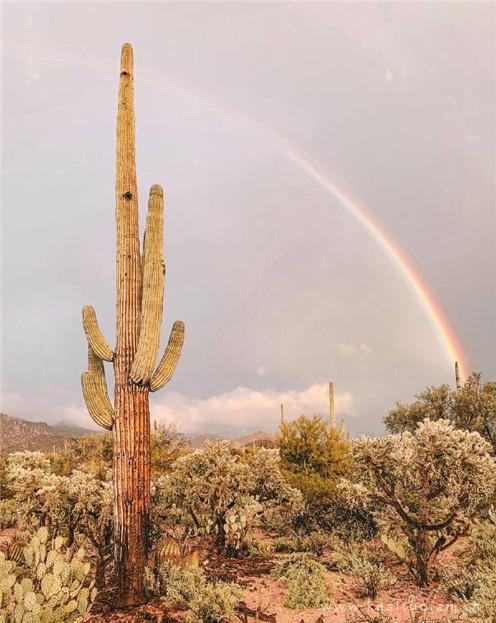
[95, 394]
[153, 290]
[94, 335]
[167, 365]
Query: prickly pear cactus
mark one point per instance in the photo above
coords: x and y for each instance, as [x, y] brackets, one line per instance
[47, 586]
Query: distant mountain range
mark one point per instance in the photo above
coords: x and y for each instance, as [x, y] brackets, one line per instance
[258, 438]
[17, 434]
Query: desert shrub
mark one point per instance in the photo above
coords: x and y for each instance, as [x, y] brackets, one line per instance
[8, 513]
[336, 557]
[368, 570]
[305, 581]
[473, 581]
[481, 608]
[212, 491]
[188, 587]
[476, 559]
[313, 457]
[93, 454]
[426, 488]
[459, 583]
[350, 522]
[471, 407]
[258, 548]
[167, 445]
[48, 585]
[480, 547]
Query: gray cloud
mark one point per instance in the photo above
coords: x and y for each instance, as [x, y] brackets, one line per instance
[395, 102]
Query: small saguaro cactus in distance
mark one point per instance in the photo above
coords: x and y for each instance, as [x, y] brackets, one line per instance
[139, 301]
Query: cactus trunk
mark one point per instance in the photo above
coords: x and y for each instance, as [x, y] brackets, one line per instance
[131, 407]
[139, 302]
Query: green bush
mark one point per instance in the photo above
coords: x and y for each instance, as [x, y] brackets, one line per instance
[188, 587]
[314, 458]
[473, 582]
[481, 608]
[305, 581]
[471, 407]
[369, 572]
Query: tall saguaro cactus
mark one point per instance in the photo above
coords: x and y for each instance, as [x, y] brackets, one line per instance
[139, 301]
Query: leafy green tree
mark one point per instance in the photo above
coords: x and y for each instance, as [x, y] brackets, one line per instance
[471, 407]
[314, 457]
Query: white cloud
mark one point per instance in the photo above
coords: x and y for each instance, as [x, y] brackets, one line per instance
[238, 411]
[261, 371]
[349, 350]
[244, 409]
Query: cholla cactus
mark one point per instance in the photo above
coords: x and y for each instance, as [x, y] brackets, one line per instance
[140, 291]
[239, 519]
[425, 489]
[215, 491]
[79, 506]
[48, 586]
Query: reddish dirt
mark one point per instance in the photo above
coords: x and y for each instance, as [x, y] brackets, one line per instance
[261, 592]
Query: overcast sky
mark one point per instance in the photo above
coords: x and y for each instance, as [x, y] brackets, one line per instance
[280, 289]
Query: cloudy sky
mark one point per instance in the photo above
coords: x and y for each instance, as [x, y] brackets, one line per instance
[247, 114]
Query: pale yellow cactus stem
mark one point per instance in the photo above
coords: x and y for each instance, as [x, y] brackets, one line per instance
[153, 290]
[94, 335]
[139, 299]
[168, 363]
[95, 392]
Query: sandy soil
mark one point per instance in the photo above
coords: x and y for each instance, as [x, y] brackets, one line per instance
[265, 595]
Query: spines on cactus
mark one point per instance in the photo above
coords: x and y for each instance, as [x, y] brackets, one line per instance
[153, 289]
[139, 303]
[94, 386]
[168, 363]
[50, 587]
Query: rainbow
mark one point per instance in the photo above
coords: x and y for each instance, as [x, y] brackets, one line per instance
[447, 337]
